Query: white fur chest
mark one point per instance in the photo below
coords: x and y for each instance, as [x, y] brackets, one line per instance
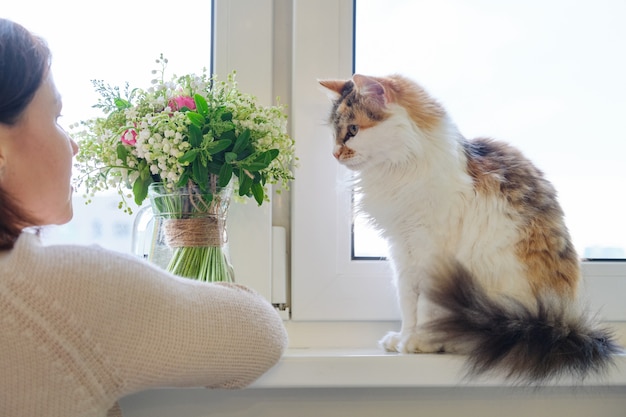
[425, 220]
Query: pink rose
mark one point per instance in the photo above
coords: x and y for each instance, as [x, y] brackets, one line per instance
[129, 137]
[177, 103]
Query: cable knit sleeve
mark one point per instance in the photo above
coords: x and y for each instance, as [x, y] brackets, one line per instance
[129, 326]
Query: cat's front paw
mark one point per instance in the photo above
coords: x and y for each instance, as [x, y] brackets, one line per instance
[391, 341]
[418, 343]
[408, 343]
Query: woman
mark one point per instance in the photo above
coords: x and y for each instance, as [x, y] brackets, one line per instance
[81, 327]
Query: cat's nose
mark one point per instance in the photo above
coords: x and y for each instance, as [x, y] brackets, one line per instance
[337, 152]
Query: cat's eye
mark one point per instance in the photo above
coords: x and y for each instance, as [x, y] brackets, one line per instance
[352, 131]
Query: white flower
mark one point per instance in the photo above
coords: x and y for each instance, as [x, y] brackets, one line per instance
[173, 177]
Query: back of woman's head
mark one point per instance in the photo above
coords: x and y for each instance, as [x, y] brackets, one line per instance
[24, 63]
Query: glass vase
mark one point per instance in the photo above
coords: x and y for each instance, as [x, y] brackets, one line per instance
[188, 232]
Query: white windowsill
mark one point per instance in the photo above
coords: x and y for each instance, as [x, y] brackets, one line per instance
[313, 379]
[355, 361]
[354, 368]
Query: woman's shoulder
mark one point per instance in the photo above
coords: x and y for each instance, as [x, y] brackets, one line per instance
[36, 245]
[32, 254]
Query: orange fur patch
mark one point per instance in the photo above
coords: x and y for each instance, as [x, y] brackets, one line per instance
[544, 246]
[344, 153]
[425, 111]
[551, 261]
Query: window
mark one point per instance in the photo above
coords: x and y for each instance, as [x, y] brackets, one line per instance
[118, 42]
[474, 72]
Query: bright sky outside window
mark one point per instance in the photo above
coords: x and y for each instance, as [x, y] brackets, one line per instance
[544, 76]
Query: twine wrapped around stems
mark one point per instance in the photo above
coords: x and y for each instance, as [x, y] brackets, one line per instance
[190, 231]
[195, 232]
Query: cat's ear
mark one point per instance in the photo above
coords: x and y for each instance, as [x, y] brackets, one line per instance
[333, 87]
[370, 89]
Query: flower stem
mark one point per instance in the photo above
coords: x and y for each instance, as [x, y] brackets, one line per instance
[206, 263]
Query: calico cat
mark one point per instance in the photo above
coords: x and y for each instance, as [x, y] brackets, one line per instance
[483, 261]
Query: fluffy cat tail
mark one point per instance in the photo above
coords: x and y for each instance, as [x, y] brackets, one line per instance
[528, 345]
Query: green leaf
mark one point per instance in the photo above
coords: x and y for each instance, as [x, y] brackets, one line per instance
[254, 166]
[195, 135]
[189, 156]
[218, 146]
[200, 174]
[242, 141]
[140, 189]
[226, 173]
[144, 170]
[258, 192]
[270, 155]
[196, 118]
[214, 167]
[262, 161]
[245, 154]
[122, 152]
[230, 157]
[201, 105]
[245, 182]
[121, 104]
[227, 116]
[182, 181]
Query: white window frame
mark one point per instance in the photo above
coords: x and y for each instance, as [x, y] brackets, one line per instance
[327, 286]
[249, 226]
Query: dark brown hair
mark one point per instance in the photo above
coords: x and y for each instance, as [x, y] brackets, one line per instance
[24, 63]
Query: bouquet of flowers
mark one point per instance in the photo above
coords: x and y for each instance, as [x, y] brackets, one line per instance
[192, 132]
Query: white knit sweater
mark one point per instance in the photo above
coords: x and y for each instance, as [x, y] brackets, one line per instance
[81, 327]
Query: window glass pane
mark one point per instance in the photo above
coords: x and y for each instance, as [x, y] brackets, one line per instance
[547, 77]
[366, 241]
[116, 41]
